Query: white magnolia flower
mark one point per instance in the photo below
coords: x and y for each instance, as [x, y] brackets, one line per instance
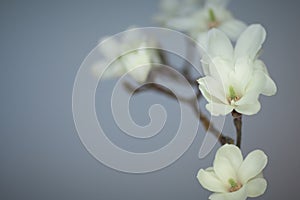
[234, 77]
[213, 14]
[128, 54]
[231, 177]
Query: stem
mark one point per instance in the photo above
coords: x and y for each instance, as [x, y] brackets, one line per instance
[237, 120]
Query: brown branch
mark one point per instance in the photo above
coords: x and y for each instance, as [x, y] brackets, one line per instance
[156, 87]
[192, 101]
[237, 120]
[208, 126]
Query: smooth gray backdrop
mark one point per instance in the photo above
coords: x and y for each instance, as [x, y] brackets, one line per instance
[42, 44]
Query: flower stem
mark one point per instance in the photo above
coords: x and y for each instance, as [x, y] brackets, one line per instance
[237, 120]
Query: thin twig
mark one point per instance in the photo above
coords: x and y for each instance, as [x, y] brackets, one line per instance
[156, 87]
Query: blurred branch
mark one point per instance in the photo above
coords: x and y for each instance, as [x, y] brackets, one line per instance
[189, 55]
[186, 68]
[155, 87]
[193, 102]
[186, 72]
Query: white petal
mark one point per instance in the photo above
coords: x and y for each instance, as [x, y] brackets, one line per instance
[260, 65]
[260, 175]
[205, 92]
[225, 170]
[232, 153]
[138, 64]
[241, 194]
[219, 45]
[243, 72]
[212, 89]
[210, 181]
[109, 48]
[270, 87]
[217, 109]
[98, 68]
[256, 187]
[257, 82]
[233, 28]
[248, 99]
[140, 74]
[205, 65]
[115, 69]
[248, 109]
[250, 42]
[132, 38]
[220, 69]
[181, 24]
[202, 40]
[253, 164]
[214, 61]
[202, 46]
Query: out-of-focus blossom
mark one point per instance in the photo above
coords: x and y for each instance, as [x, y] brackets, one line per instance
[234, 77]
[231, 177]
[196, 19]
[134, 53]
[171, 9]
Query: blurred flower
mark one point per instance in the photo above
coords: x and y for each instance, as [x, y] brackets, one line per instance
[200, 18]
[171, 9]
[233, 178]
[234, 77]
[133, 53]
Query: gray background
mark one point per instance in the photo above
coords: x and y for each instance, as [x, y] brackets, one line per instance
[42, 44]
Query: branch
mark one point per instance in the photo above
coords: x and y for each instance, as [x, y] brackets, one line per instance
[193, 102]
[208, 126]
[237, 120]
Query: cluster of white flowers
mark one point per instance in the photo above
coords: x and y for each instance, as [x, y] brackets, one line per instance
[128, 54]
[196, 18]
[231, 177]
[235, 77]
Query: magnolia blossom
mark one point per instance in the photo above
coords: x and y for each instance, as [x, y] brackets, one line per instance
[235, 77]
[213, 14]
[128, 54]
[231, 177]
